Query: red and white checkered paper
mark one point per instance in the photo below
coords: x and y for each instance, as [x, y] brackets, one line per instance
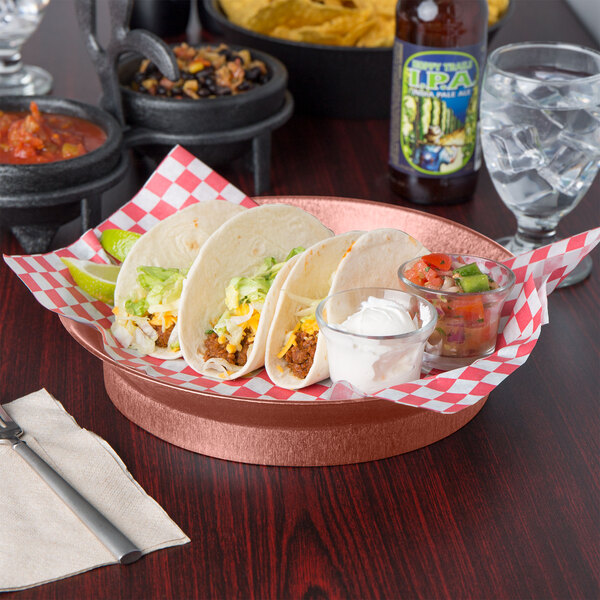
[180, 180]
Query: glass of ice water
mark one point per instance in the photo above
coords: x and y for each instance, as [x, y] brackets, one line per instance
[18, 20]
[540, 133]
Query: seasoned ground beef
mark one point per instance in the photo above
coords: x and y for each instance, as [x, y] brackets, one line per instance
[214, 349]
[300, 357]
[163, 336]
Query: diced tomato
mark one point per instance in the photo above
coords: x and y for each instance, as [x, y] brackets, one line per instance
[417, 273]
[438, 261]
[435, 283]
[470, 309]
[433, 278]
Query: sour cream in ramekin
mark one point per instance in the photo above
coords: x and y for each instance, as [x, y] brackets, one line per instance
[375, 336]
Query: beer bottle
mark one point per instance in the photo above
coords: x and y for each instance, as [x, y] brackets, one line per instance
[439, 54]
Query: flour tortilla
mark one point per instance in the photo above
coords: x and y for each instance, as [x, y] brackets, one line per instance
[310, 278]
[371, 261]
[238, 248]
[172, 243]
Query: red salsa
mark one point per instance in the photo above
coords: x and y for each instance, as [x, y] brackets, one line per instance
[467, 315]
[33, 138]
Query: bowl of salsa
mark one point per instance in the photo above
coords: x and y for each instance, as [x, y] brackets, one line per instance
[468, 293]
[54, 143]
[32, 137]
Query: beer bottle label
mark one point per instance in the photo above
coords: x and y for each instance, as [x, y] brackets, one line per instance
[435, 103]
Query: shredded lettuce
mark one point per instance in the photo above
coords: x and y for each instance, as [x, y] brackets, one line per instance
[158, 293]
[148, 277]
[250, 291]
[139, 308]
[162, 285]
[246, 290]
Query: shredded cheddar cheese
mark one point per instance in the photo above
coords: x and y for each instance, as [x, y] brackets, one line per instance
[253, 319]
[291, 341]
[349, 248]
[307, 325]
[165, 320]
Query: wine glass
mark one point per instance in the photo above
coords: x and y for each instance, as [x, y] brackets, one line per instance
[540, 132]
[18, 20]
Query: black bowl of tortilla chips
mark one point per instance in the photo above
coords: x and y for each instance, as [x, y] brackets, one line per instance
[325, 79]
[339, 64]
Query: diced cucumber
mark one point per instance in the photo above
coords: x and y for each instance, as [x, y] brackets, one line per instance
[467, 270]
[474, 283]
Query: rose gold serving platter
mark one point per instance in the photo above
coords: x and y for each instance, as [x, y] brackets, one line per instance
[292, 433]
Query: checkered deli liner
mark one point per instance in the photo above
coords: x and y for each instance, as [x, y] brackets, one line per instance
[180, 180]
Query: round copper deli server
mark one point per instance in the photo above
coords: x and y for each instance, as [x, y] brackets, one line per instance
[293, 433]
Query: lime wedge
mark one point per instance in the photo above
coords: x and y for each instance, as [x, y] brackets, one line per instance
[98, 280]
[117, 242]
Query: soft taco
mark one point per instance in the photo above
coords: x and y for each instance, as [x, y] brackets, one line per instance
[232, 288]
[150, 282]
[296, 355]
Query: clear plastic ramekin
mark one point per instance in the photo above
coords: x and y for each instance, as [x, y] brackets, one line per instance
[467, 325]
[371, 363]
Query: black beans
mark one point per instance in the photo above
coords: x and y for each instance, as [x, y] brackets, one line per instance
[205, 72]
[253, 74]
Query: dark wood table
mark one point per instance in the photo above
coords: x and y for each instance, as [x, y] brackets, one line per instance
[505, 508]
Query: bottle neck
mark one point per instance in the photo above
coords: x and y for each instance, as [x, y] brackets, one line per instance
[442, 23]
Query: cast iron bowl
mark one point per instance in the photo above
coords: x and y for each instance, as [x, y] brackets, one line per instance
[327, 81]
[204, 115]
[50, 177]
[150, 116]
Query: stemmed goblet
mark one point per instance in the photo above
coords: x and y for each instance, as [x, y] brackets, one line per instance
[540, 132]
[18, 20]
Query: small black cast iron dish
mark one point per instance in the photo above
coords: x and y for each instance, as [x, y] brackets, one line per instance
[216, 130]
[326, 81]
[36, 199]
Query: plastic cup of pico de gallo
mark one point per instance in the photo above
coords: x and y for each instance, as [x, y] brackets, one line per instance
[468, 293]
[375, 336]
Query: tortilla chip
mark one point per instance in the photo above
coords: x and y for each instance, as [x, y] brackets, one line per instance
[328, 22]
[380, 35]
[292, 14]
[341, 31]
[240, 12]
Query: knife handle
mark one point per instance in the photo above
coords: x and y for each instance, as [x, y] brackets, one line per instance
[117, 543]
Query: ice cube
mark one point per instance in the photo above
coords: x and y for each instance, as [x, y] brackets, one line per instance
[578, 124]
[518, 148]
[573, 166]
[546, 95]
[546, 126]
[530, 193]
[526, 192]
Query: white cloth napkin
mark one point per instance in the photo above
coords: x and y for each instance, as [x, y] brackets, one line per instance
[42, 540]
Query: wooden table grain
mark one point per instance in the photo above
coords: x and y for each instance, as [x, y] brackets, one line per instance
[505, 508]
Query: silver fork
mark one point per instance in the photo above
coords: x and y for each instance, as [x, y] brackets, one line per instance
[116, 542]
